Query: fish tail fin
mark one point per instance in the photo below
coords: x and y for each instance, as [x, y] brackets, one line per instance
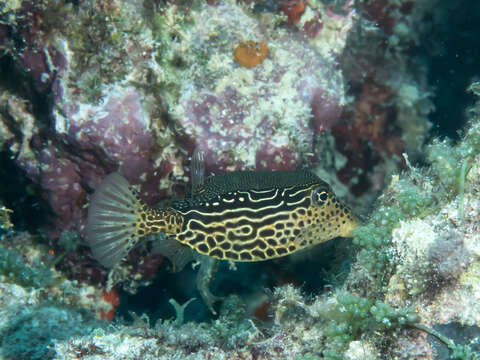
[113, 219]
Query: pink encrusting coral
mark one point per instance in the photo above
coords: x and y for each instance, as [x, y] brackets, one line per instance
[261, 117]
[135, 88]
[117, 132]
[264, 117]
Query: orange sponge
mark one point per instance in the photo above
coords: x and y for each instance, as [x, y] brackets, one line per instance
[251, 53]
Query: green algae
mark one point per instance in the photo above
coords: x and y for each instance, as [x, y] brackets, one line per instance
[14, 269]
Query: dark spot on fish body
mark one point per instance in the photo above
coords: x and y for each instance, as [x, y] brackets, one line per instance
[216, 253]
[245, 256]
[258, 254]
[226, 245]
[245, 230]
[195, 225]
[272, 242]
[260, 244]
[203, 248]
[197, 239]
[270, 252]
[267, 232]
[231, 255]
[211, 242]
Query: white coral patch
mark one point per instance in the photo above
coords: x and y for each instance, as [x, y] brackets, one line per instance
[361, 350]
[412, 240]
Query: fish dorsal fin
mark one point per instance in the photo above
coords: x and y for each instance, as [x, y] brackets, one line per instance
[197, 171]
[255, 180]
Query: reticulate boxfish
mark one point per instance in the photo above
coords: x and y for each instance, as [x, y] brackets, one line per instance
[238, 216]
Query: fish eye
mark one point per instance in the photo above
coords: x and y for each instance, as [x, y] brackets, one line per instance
[320, 196]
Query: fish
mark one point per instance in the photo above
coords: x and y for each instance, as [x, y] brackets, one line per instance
[240, 216]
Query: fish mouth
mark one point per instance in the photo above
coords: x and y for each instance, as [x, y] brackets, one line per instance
[347, 228]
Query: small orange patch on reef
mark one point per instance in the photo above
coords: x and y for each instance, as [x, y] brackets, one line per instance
[251, 53]
[294, 9]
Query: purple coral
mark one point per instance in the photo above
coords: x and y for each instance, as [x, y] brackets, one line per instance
[97, 139]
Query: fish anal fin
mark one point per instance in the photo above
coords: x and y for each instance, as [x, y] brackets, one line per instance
[178, 254]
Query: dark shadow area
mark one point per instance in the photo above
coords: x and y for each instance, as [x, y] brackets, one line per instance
[21, 195]
[459, 334]
[17, 192]
[313, 270]
[451, 49]
[19, 83]
[153, 300]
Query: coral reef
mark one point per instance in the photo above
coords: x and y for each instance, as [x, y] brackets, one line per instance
[92, 87]
[135, 88]
[416, 274]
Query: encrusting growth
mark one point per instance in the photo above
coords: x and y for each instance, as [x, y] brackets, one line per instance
[251, 53]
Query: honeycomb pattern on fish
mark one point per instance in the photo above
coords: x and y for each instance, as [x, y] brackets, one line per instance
[260, 218]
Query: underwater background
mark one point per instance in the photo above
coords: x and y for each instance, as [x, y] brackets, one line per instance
[379, 98]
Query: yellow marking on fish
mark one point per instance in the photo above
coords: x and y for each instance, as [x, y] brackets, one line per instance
[255, 216]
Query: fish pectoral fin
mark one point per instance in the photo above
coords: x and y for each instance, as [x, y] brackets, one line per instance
[176, 252]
